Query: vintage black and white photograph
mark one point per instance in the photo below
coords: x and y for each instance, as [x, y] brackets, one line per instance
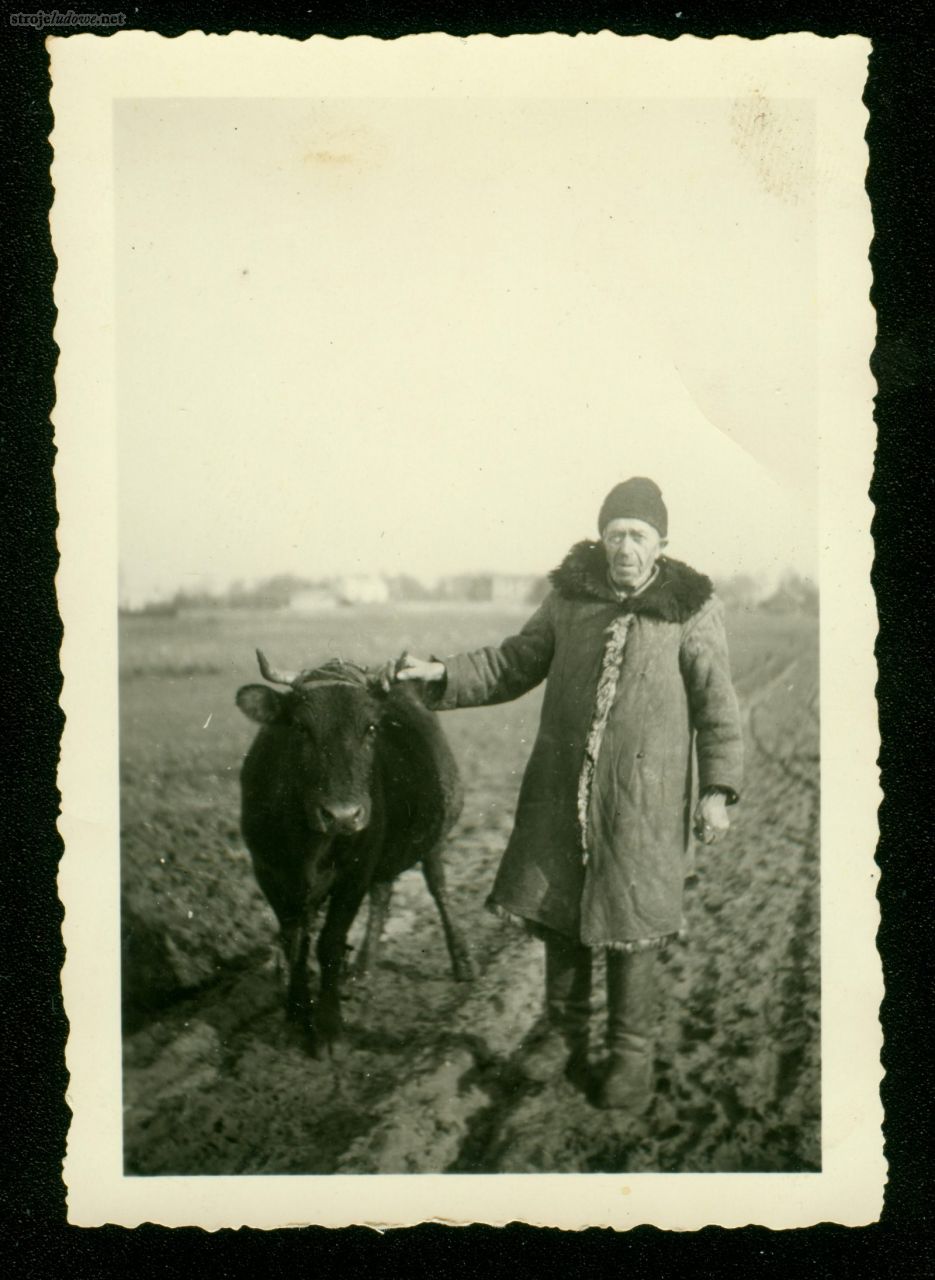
[469, 509]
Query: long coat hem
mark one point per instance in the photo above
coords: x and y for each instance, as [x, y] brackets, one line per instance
[539, 929]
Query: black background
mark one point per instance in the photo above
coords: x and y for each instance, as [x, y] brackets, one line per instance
[34, 1237]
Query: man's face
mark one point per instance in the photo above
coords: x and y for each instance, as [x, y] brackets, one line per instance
[632, 548]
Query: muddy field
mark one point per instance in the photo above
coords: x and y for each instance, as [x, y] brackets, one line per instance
[213, 1081]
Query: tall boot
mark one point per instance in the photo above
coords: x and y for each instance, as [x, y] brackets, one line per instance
[631, 1026]
[559, 1042]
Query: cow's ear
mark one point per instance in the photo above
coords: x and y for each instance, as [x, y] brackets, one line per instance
[260, 703]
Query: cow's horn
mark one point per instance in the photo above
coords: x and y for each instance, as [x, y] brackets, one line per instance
[272, 674]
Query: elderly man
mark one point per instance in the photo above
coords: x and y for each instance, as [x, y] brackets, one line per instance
[632, 646]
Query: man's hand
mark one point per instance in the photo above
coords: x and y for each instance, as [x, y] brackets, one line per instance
[409, 668]
[711, 820]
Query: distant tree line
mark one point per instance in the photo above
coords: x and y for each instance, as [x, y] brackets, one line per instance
[279, 591]
[792, 594]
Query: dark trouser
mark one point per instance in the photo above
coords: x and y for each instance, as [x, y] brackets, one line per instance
[631, 1027]
[561, 1043]
[567, 983]
[631, 1000]
[631, 991]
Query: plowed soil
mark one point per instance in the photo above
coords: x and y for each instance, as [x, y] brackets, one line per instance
[214, 1082]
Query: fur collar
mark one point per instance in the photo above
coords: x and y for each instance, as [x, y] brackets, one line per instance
[676, 593]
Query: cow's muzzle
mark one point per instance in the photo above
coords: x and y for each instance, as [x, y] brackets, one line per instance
[338, 818]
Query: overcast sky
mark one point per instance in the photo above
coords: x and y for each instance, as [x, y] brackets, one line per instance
[427, 337]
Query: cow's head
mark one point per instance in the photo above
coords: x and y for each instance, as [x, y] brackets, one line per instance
[330, 720]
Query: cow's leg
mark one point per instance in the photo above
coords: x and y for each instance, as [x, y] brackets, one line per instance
[434, 871]
[294, 937]
[289, 898]
[380, 894]
[343, 907]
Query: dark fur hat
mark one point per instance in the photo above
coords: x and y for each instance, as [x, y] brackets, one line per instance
[635, 499]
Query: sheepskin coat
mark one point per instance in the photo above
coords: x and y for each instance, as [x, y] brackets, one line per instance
[639, 709]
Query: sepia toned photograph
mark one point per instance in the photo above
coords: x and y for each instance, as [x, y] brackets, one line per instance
[469, 592]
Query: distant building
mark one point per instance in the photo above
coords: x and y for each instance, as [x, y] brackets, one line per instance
[362, 588]
[491, 588]
[312, 599]
[405, 588]
[515, 588]
[464, 586]
[793, 595]
[145, 599]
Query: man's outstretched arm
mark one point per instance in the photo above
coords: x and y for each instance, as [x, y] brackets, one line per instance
[495, 673]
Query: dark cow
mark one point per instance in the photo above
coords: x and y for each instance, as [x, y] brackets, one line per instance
[344, 787]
